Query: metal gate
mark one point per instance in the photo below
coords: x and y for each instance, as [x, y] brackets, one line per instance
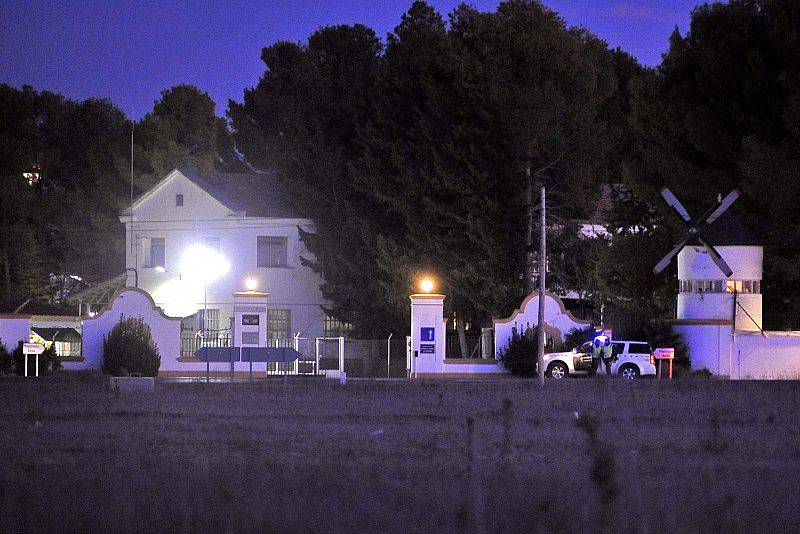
[318, 356]
[329, 356]
[304, 365]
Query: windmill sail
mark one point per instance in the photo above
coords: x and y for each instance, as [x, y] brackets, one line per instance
[695, 230]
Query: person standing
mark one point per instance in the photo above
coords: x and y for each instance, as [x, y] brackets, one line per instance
[601, 352]
[608, 354]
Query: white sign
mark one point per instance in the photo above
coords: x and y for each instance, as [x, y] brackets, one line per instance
[32, 348]
[664, 354]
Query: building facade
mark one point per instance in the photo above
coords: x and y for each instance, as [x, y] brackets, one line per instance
[193, 241]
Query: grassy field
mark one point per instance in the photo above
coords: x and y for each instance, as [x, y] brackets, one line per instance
[579, 455]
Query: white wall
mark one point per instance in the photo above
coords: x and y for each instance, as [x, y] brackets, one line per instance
[130, 302]
[721, 306]
[694, 263]
[776, 356]
[558, 321]
[772, 355]
[13, 329]
[709, 345]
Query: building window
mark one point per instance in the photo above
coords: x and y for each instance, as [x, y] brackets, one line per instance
[209, 322]
[705, 286]
[179, 200]
[333, 327]
[271, 251]
[720, 286]
[155, 252]
[279, 324]
[743, 286]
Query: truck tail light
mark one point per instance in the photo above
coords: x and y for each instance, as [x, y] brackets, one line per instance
[652, 359]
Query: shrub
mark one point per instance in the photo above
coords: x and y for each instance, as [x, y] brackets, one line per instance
[520, 355]
[660, 334]
[51, 361]
[6, 367]
[130, 348]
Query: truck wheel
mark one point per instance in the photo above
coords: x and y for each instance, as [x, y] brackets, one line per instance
[628, 372]
[557, 370]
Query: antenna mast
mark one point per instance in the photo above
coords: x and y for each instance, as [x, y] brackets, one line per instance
[130, 214]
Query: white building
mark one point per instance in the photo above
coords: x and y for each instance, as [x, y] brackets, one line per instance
[721, 318]
[192, 241]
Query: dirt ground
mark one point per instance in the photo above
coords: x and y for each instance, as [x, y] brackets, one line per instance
[579, 455]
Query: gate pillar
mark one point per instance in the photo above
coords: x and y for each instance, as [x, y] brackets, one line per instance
[250, 319]
[427, 333]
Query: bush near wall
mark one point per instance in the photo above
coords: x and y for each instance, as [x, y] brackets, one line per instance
[520, 355]
[6, 367]
[130, 349]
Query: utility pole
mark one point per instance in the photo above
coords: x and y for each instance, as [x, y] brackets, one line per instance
[542, 271]
[527, 277]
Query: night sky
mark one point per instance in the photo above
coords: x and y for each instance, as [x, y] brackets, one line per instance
[129, 51]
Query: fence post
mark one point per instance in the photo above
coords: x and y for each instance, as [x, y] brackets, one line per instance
[389, 355]
[316, 352]
[296, 345]
[341, 354]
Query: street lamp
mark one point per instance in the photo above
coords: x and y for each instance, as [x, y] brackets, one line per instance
[163, 269]
[427, 284]
[203, 264]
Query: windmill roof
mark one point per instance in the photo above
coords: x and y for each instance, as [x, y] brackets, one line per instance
[256, 195]
[729, 230]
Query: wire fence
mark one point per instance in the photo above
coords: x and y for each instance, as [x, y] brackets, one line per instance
[371, 358]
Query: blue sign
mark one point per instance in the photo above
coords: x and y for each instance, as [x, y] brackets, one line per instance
[426, 333]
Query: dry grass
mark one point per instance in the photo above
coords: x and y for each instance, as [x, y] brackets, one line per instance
[401, 456]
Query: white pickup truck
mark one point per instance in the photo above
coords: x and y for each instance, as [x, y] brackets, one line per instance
[632, 359]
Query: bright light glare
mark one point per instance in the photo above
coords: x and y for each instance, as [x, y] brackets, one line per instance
[178, 298]
[426, 285]
[203, 264]
[251, 284]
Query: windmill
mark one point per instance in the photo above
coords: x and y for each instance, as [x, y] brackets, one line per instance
[696, 229]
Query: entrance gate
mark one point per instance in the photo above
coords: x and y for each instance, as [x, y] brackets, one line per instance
[330, 356]
[318, 356]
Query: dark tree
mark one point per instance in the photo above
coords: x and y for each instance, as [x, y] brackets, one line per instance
[183, 130]
[414, 160]
[723, 111]
[302, 120]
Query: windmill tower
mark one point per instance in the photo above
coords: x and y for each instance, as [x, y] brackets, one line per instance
[705, 294]
[720, 267]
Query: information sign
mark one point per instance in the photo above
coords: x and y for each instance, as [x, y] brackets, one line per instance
[32, 348]
[427, 333]
[664, 354]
